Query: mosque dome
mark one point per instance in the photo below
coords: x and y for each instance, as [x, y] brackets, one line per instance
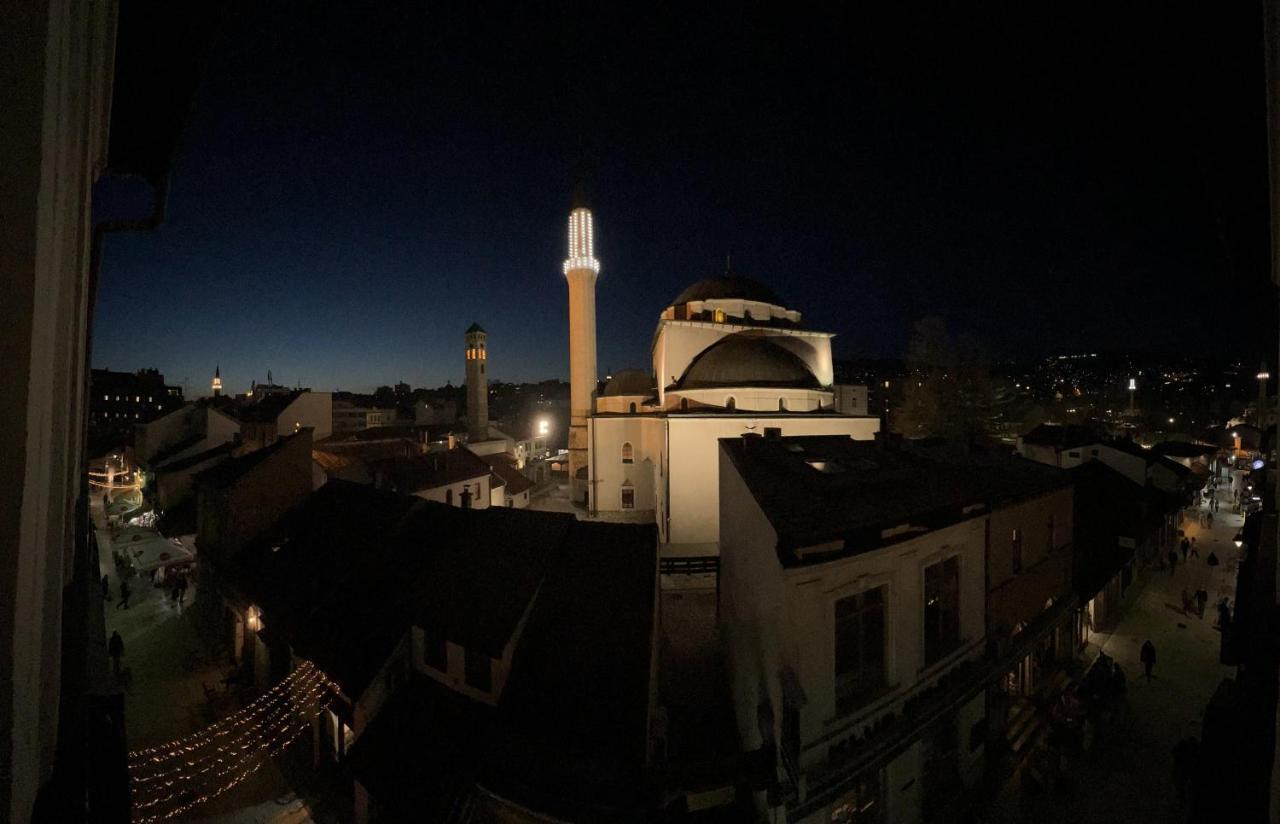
[629, 382]
[728, 287]
[747, 359]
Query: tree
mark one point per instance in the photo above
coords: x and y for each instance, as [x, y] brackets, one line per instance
[947, 391]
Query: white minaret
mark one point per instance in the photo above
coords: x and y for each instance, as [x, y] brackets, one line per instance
[581, 269]
[217, 380]
[477, 384]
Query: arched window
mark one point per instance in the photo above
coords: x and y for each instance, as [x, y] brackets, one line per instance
[628, 454]
[731, 403]
[633, 409]
[719, 316]
[782, 404]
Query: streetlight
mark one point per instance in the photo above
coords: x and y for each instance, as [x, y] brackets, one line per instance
[544, 427]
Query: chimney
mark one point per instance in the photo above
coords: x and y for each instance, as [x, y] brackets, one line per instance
[773, 433]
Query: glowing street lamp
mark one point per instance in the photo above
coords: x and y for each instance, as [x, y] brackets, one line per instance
[544, 427]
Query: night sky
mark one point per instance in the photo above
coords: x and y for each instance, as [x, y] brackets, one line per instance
[357, 186]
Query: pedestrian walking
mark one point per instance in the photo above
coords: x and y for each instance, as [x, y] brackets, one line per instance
[1209, 515]
[1195, 551]
[1202, 598]
[1173, 562]
[115, 648]
[106, 588]
[124, 595]
[1185, 546]
[1212, 560]
[1148, 657]
[182, 588]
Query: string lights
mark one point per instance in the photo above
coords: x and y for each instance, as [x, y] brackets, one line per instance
[169, 779]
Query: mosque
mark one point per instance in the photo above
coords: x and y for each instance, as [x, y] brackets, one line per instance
[729, 357]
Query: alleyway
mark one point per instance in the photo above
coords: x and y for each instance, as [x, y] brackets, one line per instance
[166, 667]
[1128, 775]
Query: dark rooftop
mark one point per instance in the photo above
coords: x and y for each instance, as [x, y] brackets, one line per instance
[819, 489]
[1062, 436]
[266, 410]
[197, 458]
[230, 470]
[629, 382]
[1182, 449]
[429, 470]
[504, 468]
[727, 287]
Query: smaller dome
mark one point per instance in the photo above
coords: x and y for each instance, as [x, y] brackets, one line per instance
[728, 287]
[629, 382]
[747, 359]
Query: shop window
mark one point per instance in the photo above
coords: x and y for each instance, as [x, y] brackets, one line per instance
[941, 609]
[859, 648]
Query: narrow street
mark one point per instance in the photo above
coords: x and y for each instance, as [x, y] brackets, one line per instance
[1128, 774]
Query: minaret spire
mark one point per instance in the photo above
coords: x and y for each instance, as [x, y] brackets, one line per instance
[581, 269]
[217, 380]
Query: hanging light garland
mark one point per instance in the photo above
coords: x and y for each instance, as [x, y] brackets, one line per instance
[168, 780]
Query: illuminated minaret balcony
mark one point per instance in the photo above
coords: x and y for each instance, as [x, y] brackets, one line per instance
[581, 243]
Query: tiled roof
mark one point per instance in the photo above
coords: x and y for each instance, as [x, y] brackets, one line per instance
[430, 470]
[232, 469]
[504, 468]
[1062, 436]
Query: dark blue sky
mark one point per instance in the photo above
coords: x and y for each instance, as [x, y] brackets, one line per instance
[358, 185]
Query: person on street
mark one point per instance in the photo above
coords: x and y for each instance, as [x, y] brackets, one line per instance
[1209, 515]
[1185, 546]
[115, 648]
[1195, 551]
[1202, 598]
[1173, 562]
[106, 588]
[182, 588]
[124, 595]
[1212, 560]
[1148, 657]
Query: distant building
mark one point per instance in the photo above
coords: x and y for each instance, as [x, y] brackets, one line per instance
[193, 428]
[127, 398]
[456, 477]
[353, 414]
[508, 486]
[265, 419]
[435, 412]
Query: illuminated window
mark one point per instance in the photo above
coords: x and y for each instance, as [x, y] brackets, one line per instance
[628, 497]
[628, 454]
[719, 316]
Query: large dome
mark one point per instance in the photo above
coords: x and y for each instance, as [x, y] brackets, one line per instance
[747, 359]
[629, 382]
[728, 287]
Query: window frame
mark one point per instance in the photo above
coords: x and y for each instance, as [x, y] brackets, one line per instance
[949, 639]
[867, 677]
[628, 453]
